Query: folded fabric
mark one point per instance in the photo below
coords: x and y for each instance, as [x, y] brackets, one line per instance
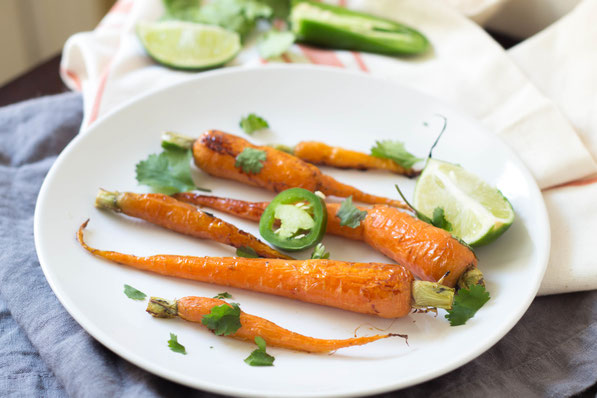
[466, 68]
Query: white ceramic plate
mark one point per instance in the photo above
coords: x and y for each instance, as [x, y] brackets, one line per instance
[300, 103]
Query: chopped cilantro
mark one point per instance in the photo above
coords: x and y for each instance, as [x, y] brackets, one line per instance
[259, 357]
[223, 319]
[349, 215]
[250, 160]
[274, 43]
[186, 10]
[395, 151]
[168, 173]
[245, 251]
[175, 345]
[439, 219]
[319, 252]
[466, 303]
[223, 295]
[133, 293]
[252, 123]
[236, 15]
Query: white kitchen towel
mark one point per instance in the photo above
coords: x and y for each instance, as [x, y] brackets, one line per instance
[466, 68]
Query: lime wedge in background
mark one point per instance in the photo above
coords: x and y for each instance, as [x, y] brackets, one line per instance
[187, 45]
[478, 212]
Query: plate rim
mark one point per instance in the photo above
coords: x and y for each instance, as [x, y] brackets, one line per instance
[118, 349]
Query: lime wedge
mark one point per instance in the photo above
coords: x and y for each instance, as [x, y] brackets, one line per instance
[187, 45]
[478, 212]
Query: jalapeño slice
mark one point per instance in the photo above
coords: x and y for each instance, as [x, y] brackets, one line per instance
[296, 219]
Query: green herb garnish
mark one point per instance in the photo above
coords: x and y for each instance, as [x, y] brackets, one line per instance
[252, 123]
[168, 173]
[223, 319]
[395, 151]
[349, 215]
[259, 357]
[319, 252]
[239, 16]
[466, 304]
[439, 219]
[250, 160]
[133, 293]
[247, 252]
[274, 43]
[223, 295]
[175, 345]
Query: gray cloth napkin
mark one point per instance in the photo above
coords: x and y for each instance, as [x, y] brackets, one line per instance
[551, 352]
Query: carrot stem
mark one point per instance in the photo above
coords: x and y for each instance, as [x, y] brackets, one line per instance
[432, 294]
[173, 140]
[471, 277]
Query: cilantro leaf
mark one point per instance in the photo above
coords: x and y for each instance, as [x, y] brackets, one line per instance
[186, 10]
[466, 304]
[280, 8]
[133, 293]
[439, 219]
[259, 357]
[236, 15]
[245, 251]
[223, 295]
[223, 319]
[168, 173]
[252, 122]
[250, 160]
[349, 215]
[395, 151]
[274, 43]
[319, 252]
[175, 345]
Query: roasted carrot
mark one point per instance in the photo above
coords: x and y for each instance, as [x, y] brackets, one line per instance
[320, 153]
[193, 309]
[215, 152]
[427, 251]
[385, 290]
[181, 217]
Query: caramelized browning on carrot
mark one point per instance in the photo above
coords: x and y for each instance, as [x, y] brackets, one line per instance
[371, 288]
[215, 152]
[320, 153]
[183, 218]
[427, 251]
[193, 309]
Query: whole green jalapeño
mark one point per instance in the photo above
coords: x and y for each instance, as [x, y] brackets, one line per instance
[337, 27]
[296, 219]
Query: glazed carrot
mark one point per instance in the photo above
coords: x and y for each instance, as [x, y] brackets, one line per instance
[320, 153]
[427, 251]
[183, 218]
[385, 290]
[193, 309]
[215, 153]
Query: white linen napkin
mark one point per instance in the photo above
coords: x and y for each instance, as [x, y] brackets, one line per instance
[467, 68]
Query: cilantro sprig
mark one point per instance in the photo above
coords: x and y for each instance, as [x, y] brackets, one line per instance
[259, 357]
[175, 345]
[439, 217]
[247, 252]
[395, 151]
[466, 304]
[250, 160]
[223, 295]
[319, 252]
[349, 215]
[223, 319]
[133, 293]
[274, 43]
[252, 123]
[168, 172]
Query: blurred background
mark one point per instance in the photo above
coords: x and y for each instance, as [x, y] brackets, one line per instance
[33, 31]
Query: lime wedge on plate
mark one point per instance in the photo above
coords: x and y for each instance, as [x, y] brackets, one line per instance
[187, 45]
[478, 212]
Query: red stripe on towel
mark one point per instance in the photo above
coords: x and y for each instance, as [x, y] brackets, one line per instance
[321, 57]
